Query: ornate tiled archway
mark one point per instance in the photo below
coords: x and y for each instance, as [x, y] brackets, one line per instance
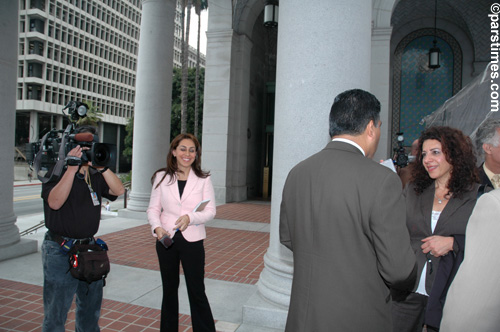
[417, 89]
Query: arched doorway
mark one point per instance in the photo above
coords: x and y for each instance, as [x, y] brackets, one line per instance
[417, 89]
[261, 110]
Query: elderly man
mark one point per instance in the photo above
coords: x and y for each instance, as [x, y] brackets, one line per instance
[488, 145]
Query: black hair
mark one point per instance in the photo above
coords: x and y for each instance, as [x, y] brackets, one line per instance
[86, 129]
[351, 112]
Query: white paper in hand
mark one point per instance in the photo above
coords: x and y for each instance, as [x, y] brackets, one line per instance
[389, 164]
[201, 205]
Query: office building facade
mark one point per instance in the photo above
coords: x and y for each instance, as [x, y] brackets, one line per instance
[80, 50]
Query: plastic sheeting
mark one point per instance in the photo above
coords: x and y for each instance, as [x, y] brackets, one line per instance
[471, 106]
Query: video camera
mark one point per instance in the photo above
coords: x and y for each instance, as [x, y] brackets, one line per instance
[55, 145]
[400, 156]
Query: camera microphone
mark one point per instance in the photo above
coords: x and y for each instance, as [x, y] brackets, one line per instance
[82, 137]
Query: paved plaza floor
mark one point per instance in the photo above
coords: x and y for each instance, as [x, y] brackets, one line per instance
[236, 242]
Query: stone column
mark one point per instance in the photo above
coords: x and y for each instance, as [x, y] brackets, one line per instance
[34, 127]
[225, 112]
[118, 147]
[59, 122]
[216, 108]
[11, 244]
[153, 98]
[380, 82]
[323, 50]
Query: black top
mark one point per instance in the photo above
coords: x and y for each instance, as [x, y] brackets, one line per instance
[182, 184]
[78, 218]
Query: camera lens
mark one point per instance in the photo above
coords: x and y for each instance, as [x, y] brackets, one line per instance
[101, 154]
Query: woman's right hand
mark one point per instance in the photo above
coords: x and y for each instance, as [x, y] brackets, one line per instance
[160, 232]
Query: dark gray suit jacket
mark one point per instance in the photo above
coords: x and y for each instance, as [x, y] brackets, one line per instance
[343, 216]
[452, 221]
[483, 178]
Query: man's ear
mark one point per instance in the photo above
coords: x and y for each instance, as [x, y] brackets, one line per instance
[370, 129]
[487, 148]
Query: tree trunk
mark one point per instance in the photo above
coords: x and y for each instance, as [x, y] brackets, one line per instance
[185, 57]
[197, 80]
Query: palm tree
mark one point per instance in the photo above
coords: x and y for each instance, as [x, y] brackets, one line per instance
[199, 5]
[185, 57]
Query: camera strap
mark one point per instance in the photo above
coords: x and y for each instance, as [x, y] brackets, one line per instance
[60, 162]
[93, 194]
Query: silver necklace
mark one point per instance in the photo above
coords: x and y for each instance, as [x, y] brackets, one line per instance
[440, 200]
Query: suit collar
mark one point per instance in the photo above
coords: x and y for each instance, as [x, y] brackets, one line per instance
[453, 205]
[190, 185]
[483, 177]
[348, 141]
[341, 145]
[191, 182]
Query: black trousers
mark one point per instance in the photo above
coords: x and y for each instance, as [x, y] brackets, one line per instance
[192, 257]
[408, 315]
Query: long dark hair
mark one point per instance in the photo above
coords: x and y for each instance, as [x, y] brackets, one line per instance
[172, 168]
[459, 153]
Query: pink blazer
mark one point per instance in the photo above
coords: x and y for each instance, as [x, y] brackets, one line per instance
[166, 206]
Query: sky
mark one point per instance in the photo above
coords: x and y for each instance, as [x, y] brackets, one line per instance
[193, 30]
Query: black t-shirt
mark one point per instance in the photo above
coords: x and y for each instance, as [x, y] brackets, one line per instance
[78, 217]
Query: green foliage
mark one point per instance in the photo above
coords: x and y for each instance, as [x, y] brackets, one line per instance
[175, 127]
[94, 115]
[128, 140]
[126, 180]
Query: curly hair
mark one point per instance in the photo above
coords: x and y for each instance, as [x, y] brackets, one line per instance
[459, 153]
[172, 167]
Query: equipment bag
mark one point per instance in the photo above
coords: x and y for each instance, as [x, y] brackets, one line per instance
[89, 262]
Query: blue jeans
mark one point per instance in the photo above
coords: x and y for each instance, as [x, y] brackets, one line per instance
[59, 288]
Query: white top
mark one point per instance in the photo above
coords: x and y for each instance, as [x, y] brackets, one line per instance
[421, 284]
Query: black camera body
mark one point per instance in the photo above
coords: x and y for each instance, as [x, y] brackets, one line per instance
[400, 155]
[51, 148]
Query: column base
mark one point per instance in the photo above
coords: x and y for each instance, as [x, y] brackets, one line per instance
[20, 248]
[268, 307]
[126, 213]
[261, 314]
[138, 201]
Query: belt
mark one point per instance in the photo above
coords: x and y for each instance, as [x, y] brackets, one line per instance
[51, 236]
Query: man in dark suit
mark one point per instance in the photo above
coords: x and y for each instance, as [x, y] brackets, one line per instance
[343, 216]
[488, 145]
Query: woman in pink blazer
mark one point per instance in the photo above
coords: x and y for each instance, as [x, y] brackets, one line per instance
[177, 190]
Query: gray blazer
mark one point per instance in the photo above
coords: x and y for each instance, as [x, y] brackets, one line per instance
[343, 216]
[452, 221]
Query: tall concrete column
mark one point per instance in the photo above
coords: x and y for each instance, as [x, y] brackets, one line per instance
[11, 244]
[380, 83]
[225, 114]
[226, 103]
[34, 127]
[216, 104]
[59, 122]
[153, 98]
[323, 50]
[118, 147]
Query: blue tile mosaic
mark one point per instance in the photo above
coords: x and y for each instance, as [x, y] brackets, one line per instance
[423, 89]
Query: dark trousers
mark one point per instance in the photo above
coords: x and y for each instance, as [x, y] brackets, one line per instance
[408, 315]
[192, 257]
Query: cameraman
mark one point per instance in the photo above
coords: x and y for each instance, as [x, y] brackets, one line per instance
[72, 208]
[406, 173]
